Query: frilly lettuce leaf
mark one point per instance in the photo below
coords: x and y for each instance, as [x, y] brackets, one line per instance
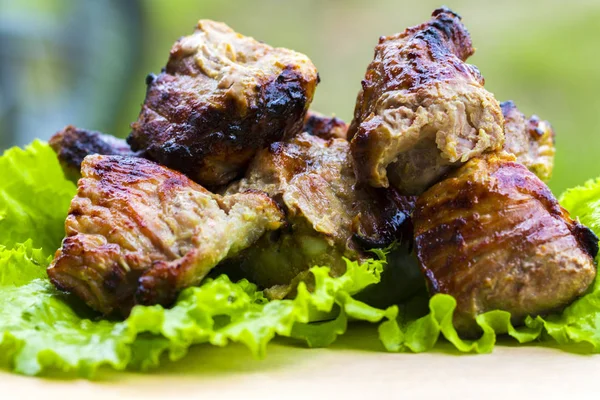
[580, 322]
[415, 333]
[42, 329]
[34, 197]
[418, 330]
[583, 202]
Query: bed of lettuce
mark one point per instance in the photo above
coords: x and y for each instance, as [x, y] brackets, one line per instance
[42, 329]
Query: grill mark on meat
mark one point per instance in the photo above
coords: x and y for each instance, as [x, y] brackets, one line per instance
[138, 233]
[493, 236]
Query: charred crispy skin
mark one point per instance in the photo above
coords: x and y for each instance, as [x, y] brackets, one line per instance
[422, 110]
[493, 236]
[72, 145]
[530, 140]
[325, 127]
[221, 97]
[138, 233]
[328, 217]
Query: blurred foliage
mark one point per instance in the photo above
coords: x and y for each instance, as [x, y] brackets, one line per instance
[84, 62]
[65, 61]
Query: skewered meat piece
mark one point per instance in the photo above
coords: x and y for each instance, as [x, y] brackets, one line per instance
[138, 233]
[530, 140]
[422, 110]
[221, 97]
[328, 217]
[72, 145]
[493, 236]
[324, 127]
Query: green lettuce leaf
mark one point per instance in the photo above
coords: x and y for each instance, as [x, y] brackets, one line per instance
[34, 197]
[40, 330]
[580, 322]
[583, 202]
[415, 333]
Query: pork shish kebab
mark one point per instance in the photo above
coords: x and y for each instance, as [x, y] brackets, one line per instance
[374, 229]
[490, 233]
[493, 236]
[422, 109]
[138, 233]
[324, 213]
[276, 263]
[365, 217]
[328, 216]
[222, 97]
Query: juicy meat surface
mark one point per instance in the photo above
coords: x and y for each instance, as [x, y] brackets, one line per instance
[328, 217]
[221, 97]
[493, 236]
[72, 145]
[325, 127]
[530, 140]
[138, 233]
[422, 110]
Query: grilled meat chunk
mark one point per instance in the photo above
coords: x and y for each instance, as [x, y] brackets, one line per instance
[530, 140]
[422, 110]
[493, 236]
[324, 127]
[72, 145]
[328, 217]
[221, 97]
[138, 233]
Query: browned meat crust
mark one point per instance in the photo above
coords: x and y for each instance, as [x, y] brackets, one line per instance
[138, 233]
[493, 236]
[72, 145]
[328, 216]
[385, 217]
[324, 127]
[422, 109]
[221, 97]
[530, 140]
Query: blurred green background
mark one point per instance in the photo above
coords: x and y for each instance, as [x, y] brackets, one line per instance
[84, 62]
